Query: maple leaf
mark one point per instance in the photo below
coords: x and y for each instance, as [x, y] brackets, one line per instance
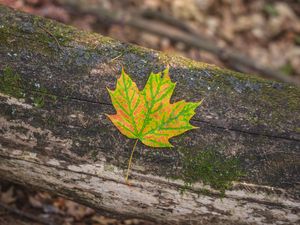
[148, 115]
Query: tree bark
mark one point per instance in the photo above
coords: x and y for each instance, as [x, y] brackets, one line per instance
[55, 136]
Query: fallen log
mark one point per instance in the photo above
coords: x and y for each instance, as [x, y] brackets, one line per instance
[54, 134]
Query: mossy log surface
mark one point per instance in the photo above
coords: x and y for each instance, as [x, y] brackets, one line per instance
[54, 134]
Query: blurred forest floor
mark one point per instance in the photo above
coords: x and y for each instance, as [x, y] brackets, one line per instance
[265, 31]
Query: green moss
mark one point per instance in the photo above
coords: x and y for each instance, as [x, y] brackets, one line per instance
[10, 83]
[40, 95]
[293, 100]
[52, 32]
[45, 36]
[137, 50]
[274, 96]
[42, 44]
[166, 59]
[94, 154]
[50, 121]
[210, 167]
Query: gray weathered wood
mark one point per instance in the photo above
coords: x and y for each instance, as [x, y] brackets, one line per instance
[68, 146]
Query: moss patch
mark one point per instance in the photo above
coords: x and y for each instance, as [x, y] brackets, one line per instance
[50, 32]
[40, 95]
[210, 167]
[10, 83]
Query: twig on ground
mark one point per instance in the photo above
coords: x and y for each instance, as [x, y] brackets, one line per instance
[150, 14]
[118, 56]
[49, 33]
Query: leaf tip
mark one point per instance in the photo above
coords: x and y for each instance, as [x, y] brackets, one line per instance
[123, 73]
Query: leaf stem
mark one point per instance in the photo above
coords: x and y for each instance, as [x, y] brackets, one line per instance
[130, 160]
